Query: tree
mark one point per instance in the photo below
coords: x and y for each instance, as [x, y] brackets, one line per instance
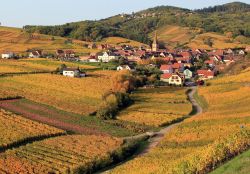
[208, 41]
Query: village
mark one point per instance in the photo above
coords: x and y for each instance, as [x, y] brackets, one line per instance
[178, 67]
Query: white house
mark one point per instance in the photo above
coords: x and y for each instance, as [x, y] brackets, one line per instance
[172, 79]
[106, 57]
[8, 55]
[241, 52]
[93, 60]
[176, 79]
[124, 67]
[35, 54]
[73, 72]
[188, 74]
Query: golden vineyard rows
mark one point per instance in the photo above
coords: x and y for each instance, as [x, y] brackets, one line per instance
[35, 65]
[70, 94]
[15, 128]
[157, 107]
[202, 142]
[65, 154]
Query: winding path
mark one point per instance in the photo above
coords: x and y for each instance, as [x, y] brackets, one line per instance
[156, 137]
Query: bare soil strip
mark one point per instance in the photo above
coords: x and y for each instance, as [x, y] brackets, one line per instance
[9, 105]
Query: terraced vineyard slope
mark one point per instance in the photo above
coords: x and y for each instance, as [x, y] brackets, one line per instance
[81, 96]
[201, 143]
[65, 154]
[16, 129]
[157, 107]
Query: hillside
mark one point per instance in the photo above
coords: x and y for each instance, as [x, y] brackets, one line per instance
[177, 36]
[231, 19]
[19, 41]
[173, 36]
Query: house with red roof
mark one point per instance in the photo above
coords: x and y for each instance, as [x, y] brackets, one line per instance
[205, 74]
[210, 63]
[167, 69]
[186, 54]
[178, 67]
[165, 77]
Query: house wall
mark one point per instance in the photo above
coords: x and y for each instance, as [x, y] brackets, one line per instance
[7, 56]
[175, 80]
[70, 73]
[165, 80]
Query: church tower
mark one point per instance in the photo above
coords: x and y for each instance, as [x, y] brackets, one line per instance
[155, 45]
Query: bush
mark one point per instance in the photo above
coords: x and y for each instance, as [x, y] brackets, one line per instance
[112, 103]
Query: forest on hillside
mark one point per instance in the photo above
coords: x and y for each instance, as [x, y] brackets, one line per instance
[231, 19]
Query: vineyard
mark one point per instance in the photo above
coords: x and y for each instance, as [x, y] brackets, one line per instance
[35, 65]
[81, 96]
[19, 41]
[157, 107]
[65, 154]
[15, 129]
[71, 122]
[201, 143]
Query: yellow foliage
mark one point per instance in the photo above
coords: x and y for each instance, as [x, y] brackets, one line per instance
[203, 141]
[157, 106]
[79, 95]
[65, 154]
[15, 128]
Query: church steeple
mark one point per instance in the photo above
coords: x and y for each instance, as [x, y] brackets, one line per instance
[155, 45]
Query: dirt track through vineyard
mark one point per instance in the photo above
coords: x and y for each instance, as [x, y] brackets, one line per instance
[27, 111]
[158, 136]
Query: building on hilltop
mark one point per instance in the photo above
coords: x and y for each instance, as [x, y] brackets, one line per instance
[155, 45]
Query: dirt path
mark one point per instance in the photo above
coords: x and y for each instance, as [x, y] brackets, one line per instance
[53, 120]
[157, 137]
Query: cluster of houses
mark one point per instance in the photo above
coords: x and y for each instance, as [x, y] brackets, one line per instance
[178, 65]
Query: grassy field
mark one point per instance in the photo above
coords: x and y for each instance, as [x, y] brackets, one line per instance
[15, 129]
[239, 165]
[36, 65]
[201, 143]
[65, 154]
[157, 107]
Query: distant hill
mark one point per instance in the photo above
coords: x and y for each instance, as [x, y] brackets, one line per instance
[19, 41]
[228, 19]
[229, 7]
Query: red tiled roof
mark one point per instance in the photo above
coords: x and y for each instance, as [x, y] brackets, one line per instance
[211, 61]
[186, 54]
[177, 65]
[165, 67]
[206, 73]
[166, 76]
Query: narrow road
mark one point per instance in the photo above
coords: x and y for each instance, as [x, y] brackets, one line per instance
[158, 136]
